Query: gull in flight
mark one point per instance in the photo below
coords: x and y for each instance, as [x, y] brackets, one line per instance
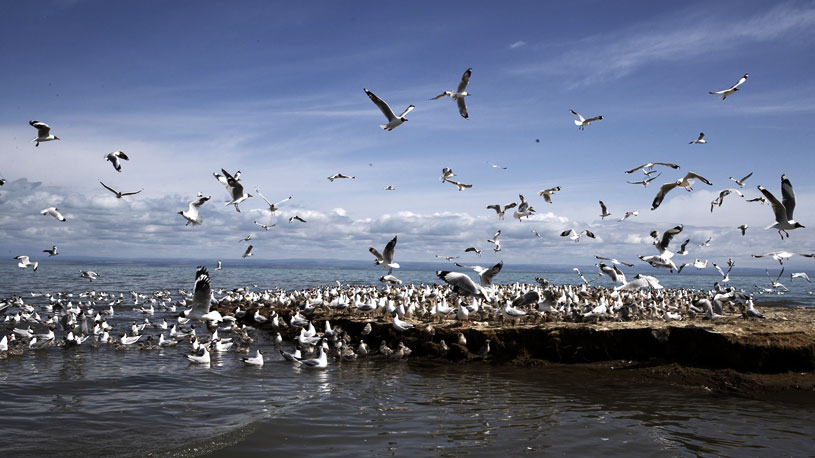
[698, 263]
[233, 187]
[644, 182]
[496, 166]
[651, 166]
[783, 210]
[114, 159]
[296, 218]
[25, 262]
[524, 209]
[722, 194]
[641, 281]
[485, 274]
[741, 182]
[665, 255]
[446, 173]
[614, 261]
[191, 214]
[89, 274]
[572, 234]
[248, 252]
[461, 186]
[760, 200]
[202, 299]
[582, 122]
[614, 273]
[247, 238]
[273, 207]
[629, 214]
[547, 193]
[725, 275]
[462, 284]
[536, 233]
[393, 120]
[385, 259]
[458, 95]
[682, 251]
[800, 275]
[265, 226]
[473, 250]
[725, 92]
[782, 256]
[706, 243]
[43, 132]
[699, 141]
[604, 211]
[54, 211]
[500, 211]
[448, 258]
[494, 240]
[338, 176]
[52, 251]
[685, 182]
[390, 188]
[743, 229]
[119, 194]
[220, 266]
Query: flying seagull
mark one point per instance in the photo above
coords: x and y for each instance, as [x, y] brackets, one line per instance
[614, 261]
[390, 188]
[43, 132]
[114, 159]
[574, 235]
[461, 186]
[446, 173]
[25, 262]
[629, 214]
[699, 141]
[265, 226]
[603, 211]
[385, 259]
[119, 194]
[191, 214]
[52, 251]
[296, 218]
[462, 284]
[722, 194]
[494, 240]
[782, 256]
[663, 260]
[783, 210]
[248, 252]
[273, 207]
[473, 250]
[651, 165]
[684, 182]
[202, 298]
[485, 274]
[501, 211]
[234, 188]
[393, 120]
[54, 211]
[547, 193]
[741, 182]
[458, 95]
[743, 229]
[524, 209]
[644, 182]
[338, 176]
[725, 92]
[582, 122]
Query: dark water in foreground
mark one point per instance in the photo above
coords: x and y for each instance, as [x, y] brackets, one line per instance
[103, 402]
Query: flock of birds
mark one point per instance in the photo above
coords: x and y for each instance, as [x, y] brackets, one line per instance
[404, 307]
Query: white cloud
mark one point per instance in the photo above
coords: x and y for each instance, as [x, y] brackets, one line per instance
[517, 44]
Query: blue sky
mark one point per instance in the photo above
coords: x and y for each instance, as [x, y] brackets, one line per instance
[274, 89]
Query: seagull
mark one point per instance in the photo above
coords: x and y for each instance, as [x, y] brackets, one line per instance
[393, 121]
[447, 258]
[485, 274]
[219, 265]
[385, 259]
[604, 211]
[800, 275]
[338, 176]
[725, 92]
[743, 229]
[741, 182]
[494, 240]
[446, 173]
[644, 182]
[52, 251]
[256, 360]
[296, 218]
[614, 273]
[537, 234]
[248, 252]
[699, 141]
[524, 209]
[722, 194]
[222, 179]
[725, 275]
[782, 256]
[54, 211]
[776, 284]
[698, 263]
[665, 255]
[204, 358]
[685, 182]
[496, 166]
[682, 251]
[461, 186]
[390, 188]
[24, 262]
[272, 207]
[462, 284]
[783, 211]
[89, 274]
[320, 362]
[651, 165]
[760, 200]
[572, 234]
[119, 194]
[458, 96]
[114, 159]
[641, 281]
[614, 261]
[547, 193]
[629, 214]
[234, 188]
[706, 242]
[473, 249]
[43, 132]
[247, 238]
[582, 122]
[265, 226]
[191, 214]
[202, 298]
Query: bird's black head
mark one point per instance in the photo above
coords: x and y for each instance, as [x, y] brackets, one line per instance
[799, 225]
[735, 89]
[599, 117]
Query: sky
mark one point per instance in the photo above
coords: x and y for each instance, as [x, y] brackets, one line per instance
[275, 90]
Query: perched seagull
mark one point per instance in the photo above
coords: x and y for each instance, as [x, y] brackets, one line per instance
[458, 95]
[446, 173]
[782, 256]
[651, 165]
[699, 141]
[604, 211]
[390, 188]
[54, 211]
[685, 182]
[24, 262]
[614, 261]
[524, 209]
[204, 358]
[393, 120]
[800, 275]
[272, 207]
[234, 188]
[629, 214]
[743, 229]
[296, 218]
[644, 182]
[547, 193]
[191, 214]
[114, 159]
[52, 251]
[248, 252]
[202, 298]
[783, 211]
[572, 234]
[265, 226]
[473, 250]
[725, 92]
[461, 186]
[338, 176]
[741, 182]
[43, 132]
[119, 194]
[582, 122]
[385, 259]
[722, 194]
[89, 274]
[256, 360]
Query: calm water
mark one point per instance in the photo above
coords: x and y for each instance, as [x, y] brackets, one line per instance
[102, 402]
